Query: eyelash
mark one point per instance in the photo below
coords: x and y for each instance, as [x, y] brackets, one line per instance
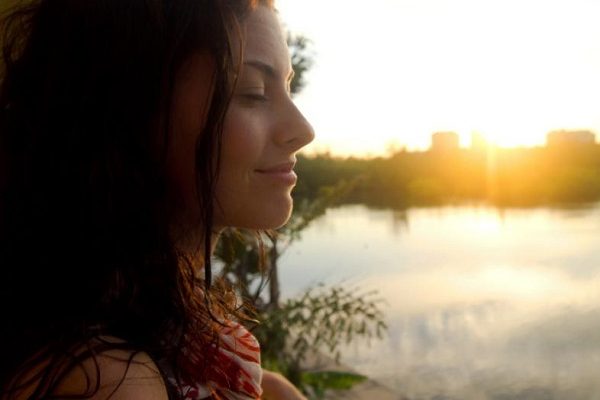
[256, 97]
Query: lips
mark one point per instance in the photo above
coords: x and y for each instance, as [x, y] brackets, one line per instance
[279, 168]
[281, 173]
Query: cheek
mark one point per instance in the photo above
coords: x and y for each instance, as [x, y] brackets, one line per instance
[241, 150]
[246, 199]
[241, 147]
[239, 137]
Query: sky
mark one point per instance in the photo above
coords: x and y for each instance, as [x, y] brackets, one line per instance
[389, 73]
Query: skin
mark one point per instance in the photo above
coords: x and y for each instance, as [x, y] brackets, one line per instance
[118, 378]
[277, 387]
[263, 128]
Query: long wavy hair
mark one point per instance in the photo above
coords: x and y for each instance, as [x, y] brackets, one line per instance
[85, 215]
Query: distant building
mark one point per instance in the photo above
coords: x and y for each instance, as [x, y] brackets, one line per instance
[444, 141]
[565, 137]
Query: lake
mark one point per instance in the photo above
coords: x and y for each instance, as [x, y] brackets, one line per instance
[481, 303]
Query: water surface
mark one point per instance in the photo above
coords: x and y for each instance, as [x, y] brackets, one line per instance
[481, 303]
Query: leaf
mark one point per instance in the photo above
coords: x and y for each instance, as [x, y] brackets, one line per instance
[335, 380]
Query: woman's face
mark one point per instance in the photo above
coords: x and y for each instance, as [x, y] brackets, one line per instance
[262, 131]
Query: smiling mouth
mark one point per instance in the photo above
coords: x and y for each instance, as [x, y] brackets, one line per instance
[283, 167]
[283, 173]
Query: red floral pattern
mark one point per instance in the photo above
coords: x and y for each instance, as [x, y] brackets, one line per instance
[238, 375]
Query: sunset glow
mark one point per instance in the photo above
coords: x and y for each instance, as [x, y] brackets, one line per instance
[390, 72]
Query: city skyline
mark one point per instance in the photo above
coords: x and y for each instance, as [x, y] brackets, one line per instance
[391, 73]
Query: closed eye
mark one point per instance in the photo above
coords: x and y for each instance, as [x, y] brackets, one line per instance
[255, 96]
[254, 93]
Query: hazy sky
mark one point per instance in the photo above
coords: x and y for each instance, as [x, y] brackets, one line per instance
[394, 71]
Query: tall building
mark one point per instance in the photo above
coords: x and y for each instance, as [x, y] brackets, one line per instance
[570, 137]
[444, 141]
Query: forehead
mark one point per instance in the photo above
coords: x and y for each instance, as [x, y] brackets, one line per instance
[265, 40]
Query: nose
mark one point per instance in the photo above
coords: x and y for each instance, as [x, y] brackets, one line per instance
[295, 131]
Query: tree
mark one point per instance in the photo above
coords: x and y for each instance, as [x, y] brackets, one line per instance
[302, 60]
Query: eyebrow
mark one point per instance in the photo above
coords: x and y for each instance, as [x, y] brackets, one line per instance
[266, 69]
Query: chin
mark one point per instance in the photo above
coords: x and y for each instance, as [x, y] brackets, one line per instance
[280, 223]
[263, 216]
[273, 220]
[272, 212]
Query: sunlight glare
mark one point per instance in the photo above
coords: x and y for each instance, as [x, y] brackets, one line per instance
[401, 70]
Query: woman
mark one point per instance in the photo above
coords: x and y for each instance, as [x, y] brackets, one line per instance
[131, 133]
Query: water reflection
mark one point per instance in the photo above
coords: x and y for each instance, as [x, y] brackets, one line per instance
[400, 223]
[482, 304]
[485, 351]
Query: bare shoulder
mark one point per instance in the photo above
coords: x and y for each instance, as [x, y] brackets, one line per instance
[120, 374]
[276, 386]
[116, 374]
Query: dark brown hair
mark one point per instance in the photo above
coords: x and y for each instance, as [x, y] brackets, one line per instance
[85, 248]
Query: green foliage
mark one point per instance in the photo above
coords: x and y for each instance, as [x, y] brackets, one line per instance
[503, 177]
[321, 381]
[302, 60]
[307, 210]
[240, 255]
[425, 191]
[321, 320]
[315, 173]
[575, 183]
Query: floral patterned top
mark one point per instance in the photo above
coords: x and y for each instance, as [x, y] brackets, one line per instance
[239, 374]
